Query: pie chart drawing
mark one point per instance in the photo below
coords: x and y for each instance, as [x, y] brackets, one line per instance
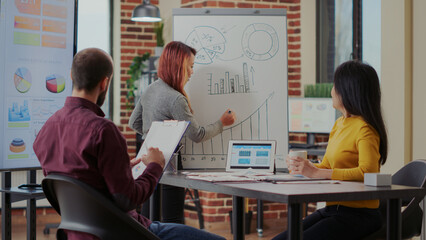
[22, 79]
[55, 83]
[208, 41]
[256, 35]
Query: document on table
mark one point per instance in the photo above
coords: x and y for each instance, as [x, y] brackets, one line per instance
[164, 135]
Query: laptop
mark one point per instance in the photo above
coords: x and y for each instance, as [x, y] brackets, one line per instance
[256, 155]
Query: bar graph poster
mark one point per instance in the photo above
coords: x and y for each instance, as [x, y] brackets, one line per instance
[241, 64]
[36, 51]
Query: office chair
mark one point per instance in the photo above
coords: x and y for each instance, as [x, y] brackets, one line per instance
[413, 174]
[84, 209]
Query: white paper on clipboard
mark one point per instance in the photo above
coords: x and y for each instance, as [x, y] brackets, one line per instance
[164, 135]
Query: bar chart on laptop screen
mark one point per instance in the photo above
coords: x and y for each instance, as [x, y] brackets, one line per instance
[241, 64]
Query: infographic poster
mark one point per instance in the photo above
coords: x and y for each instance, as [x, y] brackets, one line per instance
[36, 51]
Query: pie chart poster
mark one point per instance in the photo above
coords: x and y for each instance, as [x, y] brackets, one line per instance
[36, 51]
[241, 63]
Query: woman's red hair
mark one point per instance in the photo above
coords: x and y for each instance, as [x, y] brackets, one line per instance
[173, 68]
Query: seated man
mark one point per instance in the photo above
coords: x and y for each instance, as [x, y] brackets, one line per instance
[79, 142]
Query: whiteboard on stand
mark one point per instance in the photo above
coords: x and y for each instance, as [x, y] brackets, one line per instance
[241, 64]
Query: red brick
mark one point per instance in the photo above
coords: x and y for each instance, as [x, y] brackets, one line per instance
[294, 84]
[293, 69]
[224, 210]
[279, 6]
[289, 1]
[226, 4]
[210, 210]
[294, 39]
[294, 77]
[294, 92]
[294, 54]
[134, 29]
[214, 218]
[211, 4]
[293, 30]
[245, 5]
[294, 62]
[129, 36]
[278, 207]
[294, 46]
[294, 23]
[294, 8]
[212, 202]
[258, 5]
[221, 195]
[269, 215]
[293, 15]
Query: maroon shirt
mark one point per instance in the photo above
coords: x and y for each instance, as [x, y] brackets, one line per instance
[77, 141]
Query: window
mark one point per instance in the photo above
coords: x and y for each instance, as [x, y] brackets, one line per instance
[347, 29]
[94, 30]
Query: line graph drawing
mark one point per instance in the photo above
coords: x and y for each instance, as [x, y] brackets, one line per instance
[253, 127]
[260, 32]
[231, 84]
[208, 41]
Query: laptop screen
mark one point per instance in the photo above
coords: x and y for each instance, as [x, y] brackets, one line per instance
[257, 155]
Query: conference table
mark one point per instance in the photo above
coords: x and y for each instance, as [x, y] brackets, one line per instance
[295, 195]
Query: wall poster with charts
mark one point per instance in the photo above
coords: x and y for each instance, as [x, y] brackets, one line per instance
[241, 64]
[36, 50]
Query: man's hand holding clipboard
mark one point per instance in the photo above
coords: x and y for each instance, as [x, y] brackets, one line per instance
[162, 135]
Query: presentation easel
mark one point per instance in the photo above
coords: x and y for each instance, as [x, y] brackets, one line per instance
[14, 194]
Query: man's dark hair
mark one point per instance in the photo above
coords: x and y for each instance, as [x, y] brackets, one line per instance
[89, 67]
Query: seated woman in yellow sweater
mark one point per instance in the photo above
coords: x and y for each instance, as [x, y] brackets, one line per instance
[357, 145]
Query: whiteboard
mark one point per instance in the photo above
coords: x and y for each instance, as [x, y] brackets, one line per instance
[241, 64]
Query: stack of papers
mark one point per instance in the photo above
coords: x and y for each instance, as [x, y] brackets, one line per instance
[251, 176]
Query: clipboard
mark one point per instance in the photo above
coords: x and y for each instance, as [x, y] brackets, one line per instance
[164, 135]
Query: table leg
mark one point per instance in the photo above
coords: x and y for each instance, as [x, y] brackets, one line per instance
[393, 230]
[259, 218]
[238, 217]
[6, 213]
[294, 219]
[31, 208]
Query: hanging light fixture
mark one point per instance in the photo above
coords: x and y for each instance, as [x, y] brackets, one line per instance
[146, 12]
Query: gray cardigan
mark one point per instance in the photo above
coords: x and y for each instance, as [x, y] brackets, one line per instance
[161, 102]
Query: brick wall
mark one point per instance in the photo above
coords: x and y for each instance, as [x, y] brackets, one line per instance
[138, 38]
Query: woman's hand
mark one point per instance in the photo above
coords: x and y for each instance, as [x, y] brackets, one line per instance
[298, 165]
[228, 118]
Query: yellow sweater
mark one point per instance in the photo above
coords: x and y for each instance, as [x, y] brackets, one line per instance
[353, 149]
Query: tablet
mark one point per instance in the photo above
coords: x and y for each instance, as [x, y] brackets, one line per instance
[258, 155]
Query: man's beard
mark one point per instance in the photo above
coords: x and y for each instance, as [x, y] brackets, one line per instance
[101, 98]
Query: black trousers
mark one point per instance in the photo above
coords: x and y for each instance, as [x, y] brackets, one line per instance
[172, 204]
[339, 222]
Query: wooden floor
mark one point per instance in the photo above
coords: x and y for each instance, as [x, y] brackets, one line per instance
[19, 231]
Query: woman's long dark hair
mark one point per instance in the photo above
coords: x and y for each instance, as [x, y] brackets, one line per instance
[358, 86]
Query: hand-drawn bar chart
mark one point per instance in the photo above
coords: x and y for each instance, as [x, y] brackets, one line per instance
[254, 127]
[230, 84]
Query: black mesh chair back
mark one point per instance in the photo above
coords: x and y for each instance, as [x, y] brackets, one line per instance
[413, 174]
[84, 209]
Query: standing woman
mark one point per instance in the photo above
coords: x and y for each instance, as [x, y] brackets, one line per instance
[357, 145]
[166, 99]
